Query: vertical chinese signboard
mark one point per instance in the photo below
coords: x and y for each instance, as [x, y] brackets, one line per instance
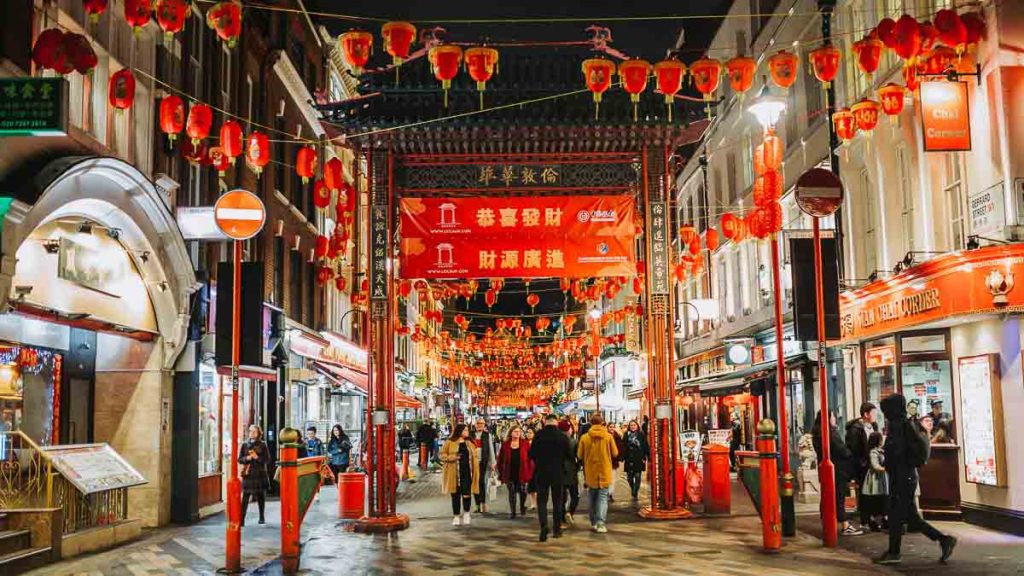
[33, 107]
[378, 252]
[659, 269]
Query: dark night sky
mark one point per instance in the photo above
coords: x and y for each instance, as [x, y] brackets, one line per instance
[646, 39]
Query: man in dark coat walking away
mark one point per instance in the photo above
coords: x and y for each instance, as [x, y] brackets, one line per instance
[857, 433]
[906, 449]
[549, 451]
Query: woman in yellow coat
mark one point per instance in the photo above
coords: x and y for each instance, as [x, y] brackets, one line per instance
[460, 474]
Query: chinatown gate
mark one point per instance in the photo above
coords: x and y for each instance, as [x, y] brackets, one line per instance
[436, 192]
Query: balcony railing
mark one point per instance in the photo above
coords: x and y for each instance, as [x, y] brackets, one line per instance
[28, 479]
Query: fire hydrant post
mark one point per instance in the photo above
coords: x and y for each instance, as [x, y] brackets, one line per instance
[771, 518]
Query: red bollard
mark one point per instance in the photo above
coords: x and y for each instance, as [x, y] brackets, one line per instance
[423, 457]
[290, 523]
[351, 495]
[771, 516]
[717, 483]
[405, 465]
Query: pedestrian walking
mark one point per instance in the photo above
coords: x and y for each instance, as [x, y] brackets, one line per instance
[549, 451]
[515, 469]
[426, 435]
[254, 456]
[339, 450]
[459, 473]
[906, 449]
[597, 451]
[531, 486]
[845, 469]
[637, 452]
[735, 441]
[406, 441]
[485, 461]
[570, 475]
[875, 497]
[314, 446]
[858, 432]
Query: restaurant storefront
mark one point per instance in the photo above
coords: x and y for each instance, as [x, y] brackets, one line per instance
[946, 334]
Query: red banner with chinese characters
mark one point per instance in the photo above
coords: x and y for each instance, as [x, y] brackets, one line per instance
[565, 236]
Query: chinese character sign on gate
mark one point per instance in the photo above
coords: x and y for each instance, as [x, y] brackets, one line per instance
[517, 237]
[379, 252]
[660, 258]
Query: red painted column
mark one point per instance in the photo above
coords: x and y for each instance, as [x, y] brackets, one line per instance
[826, 471]
[233, 538]
[771, 530]
[290, 525]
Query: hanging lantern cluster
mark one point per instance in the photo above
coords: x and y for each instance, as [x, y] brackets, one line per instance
[171, 16]
[225, 18]
[63, 52]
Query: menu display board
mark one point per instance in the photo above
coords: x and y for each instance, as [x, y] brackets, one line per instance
[982, 413]
[720, 436]
[93, 467]
[689, 445]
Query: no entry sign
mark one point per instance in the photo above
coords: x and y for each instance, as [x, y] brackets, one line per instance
[239, 214]
[819, 192]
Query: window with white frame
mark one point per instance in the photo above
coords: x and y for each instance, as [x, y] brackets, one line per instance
[907, 198]
[747, 161]
[954, 196]
[868, 222]
[225, 76]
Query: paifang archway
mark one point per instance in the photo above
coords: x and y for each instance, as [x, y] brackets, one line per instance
[449, 163]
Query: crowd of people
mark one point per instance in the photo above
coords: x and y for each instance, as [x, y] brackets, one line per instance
[883, 465]
[539, 462]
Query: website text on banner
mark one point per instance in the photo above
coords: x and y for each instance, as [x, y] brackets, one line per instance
[564, 236]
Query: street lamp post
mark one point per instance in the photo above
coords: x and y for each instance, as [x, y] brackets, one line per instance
[595, 348]
[767, 109]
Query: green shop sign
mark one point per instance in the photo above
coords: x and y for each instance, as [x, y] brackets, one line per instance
[33, 107]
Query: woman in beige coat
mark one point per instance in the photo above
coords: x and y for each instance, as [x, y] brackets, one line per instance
[460, 474]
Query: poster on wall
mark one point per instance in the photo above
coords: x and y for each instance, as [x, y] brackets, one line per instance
[689, 445]
[981, 411]
[93, 467]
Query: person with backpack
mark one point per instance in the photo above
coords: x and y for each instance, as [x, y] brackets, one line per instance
[906, 449]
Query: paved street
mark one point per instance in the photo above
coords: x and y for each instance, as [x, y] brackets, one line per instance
[493, 545]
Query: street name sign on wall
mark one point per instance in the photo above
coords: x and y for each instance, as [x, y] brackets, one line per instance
[33, 107]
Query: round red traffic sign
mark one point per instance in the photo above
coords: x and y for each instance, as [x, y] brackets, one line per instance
[239, 214]
[819, 192]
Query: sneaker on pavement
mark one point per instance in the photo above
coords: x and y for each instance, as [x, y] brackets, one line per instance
[569, 520]
[466, 518]
[888, 559]
[457, 520]
[601, 529]
[948, 544]
[851, 530]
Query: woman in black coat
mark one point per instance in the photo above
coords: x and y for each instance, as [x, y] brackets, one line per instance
[844, 464]
[637, 452]
[254, 456]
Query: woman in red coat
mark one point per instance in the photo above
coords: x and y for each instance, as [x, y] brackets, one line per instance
[515, 469]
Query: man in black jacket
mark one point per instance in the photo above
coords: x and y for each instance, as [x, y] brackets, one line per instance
[905, 450]
[857, 433]
[549, 451]
[485, 452]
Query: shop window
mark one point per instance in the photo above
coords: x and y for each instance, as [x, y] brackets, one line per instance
[880, 370]
[868, 219]
[209, 421]
[907, 196]
[30, 392]
[924, 343]
[928, 388]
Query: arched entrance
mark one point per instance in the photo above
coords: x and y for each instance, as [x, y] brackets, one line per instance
[92, 256]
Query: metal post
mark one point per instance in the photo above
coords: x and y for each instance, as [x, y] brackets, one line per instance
[826, 472]
[788, 508]
[827, 8]
[233, 538]
[771, 538]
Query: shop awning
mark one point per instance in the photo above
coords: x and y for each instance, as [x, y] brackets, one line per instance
[735, 381]
[406, 401]
[338, 372]
[251, 372]
[636, 393]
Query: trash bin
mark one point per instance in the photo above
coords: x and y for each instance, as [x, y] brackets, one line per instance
[351, 495]
[717, 484]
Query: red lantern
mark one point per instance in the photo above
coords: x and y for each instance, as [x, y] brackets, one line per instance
[929, 36]
[825, 62]
[741, 73]
[891, 97]
[759, 167]
[481, 63]
[200, 118]
[79, 50]
[767, 188]
[886, 32]
[711, 240]
[974, 23]
[869, 54]
[257, 152]
[231, 140]
[694, 245]
[321, 195]
[783, 67]
[444, 62]
[171, 15]
[404, 288]
[305, 163]
[490, 297]
[172, 116]
[907, 37]
[356, 47]
[334, 174]
[136, 13]
[910, 77]
[597, 73]
[226, 19]
[706, 74]
[340, 284]
[121, 89]
[732, 226]
[321, 245]
[865, 113]
[49, 49]
[634, 74]
[773, 216]
[532, 300]
[94, 8]
[939, 60]
[772, 152]
[348, 194]
[669, 75]
[196, 154]
[845, 124]
[398, 38]
[687, 233]
[952, 30]
[219, 160]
